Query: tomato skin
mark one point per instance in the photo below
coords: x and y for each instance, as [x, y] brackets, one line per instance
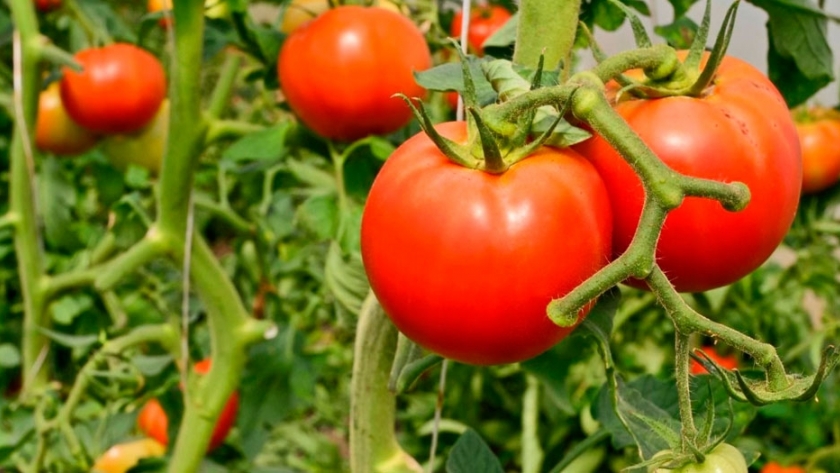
[45, 6]
[773, 467]
[144, 148]
[55, 131]
[484, 21]
[119, 90]
[123, 456]
[153, 422]
[748, 136]
[722, 459]
[729, 362]
[342, 89]
[465, 262]
[820, 153]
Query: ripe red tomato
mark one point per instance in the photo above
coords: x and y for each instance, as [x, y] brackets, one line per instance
[119, 90]
[47, 5]
[465, 262]
[739, 130]
[484, 21]
[819, 137]
[55, 131]
[123, 456]
[724, 458]
[153, 422]
[773, 467]
[340, 71]
[729, 362]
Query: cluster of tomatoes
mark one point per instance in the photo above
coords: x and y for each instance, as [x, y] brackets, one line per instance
[118, 96]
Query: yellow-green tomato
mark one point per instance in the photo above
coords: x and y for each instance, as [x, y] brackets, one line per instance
[144, 148]
[722, 459]
[216, 9]
[122, 456]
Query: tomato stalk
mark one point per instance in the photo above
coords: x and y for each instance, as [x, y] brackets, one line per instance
[27, 238]
[373, 444]
[549, 32]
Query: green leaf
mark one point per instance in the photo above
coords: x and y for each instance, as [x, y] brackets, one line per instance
[67, 308]
[70, 341]
[151, 365]
[679, 34]
[470, 454]
[681, 7]
[800, 61]
[58, 196]
[346, 278]
[311, 175]
[504, 36]
[9, 356]
[267, 146]
[319, 215]
[449, 76]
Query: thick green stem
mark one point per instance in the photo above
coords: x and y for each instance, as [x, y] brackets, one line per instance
[683, 375]
[187, 126]
[550, 31]
[373, 444]
[688, 321]
[28, 243]
[224, 86]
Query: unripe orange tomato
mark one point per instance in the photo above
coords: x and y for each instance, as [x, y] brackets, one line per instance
[773, 467]
[153, 6]
[55, 131]
[123, 456]
[153, 422]
[819, 137]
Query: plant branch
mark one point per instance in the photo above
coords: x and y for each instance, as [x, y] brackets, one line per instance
[224, 86]
[373, 444]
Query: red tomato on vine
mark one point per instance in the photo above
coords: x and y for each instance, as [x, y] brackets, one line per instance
[340, 71]
[729, 362]
[819, 136]
[55, 131]
[465, 262]
[119, 89]
[484, 21]
[773, 467]
[153, 422]
[747, 136]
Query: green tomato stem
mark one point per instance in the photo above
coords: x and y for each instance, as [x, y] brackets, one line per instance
[373, 444]
[550, 32]
[688, 321]
[225, 213]
[683, 378]
[27, 238]
[224, 86]
[227, 129]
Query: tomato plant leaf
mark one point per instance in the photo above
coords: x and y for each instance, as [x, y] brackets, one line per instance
[67, 308]
[319, 215]
[267, 146]
[681, 7]
[346, 278]
[70, 341]
[471, 454]
[680, 34]
[799, 58]
[9, 356]
[449, 76]
[58, 196]
[505, 36]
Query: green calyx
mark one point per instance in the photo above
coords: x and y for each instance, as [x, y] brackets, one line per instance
[667, 76]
